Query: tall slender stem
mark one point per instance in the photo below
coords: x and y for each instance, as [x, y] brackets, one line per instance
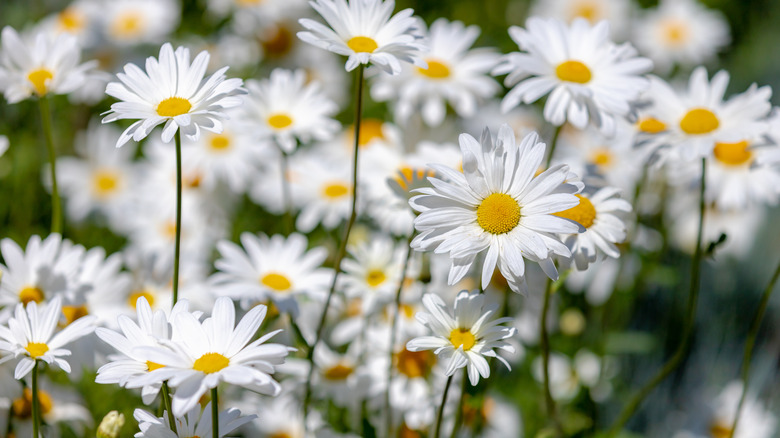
[165, 392]
[56, 208]
[459, 410]
[214, 413]
[553, 144]
[36, 403]
[393, 325]
[440, 415]
[177, 249]
[750, 343]
[344, 240]
[544, 343]
[693, 297]
[286, 194]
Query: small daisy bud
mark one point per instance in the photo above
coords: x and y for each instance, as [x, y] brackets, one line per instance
[111, 425]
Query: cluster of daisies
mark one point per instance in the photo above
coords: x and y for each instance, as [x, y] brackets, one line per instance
[464, 195]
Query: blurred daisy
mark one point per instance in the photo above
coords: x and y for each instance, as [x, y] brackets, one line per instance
[588, 76]
[568, 376]
[45, 65]
[202, 354]
[755, 420]
[30, 334]
[373, 272]
[465, 338]
[276, 268]
[60, 405]
[174, 92]
[4, 143]
[498, 205]
[195, 423]
[455, 75]
[323, 192]
[340, 377]
[364, 31]
[616, 12]
[285, 108]
[681, 32]
[78, 19]
[132, 22]
[600, 215]
[699, 117]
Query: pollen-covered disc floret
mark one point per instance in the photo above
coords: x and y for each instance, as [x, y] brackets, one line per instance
[497, 205]
[587, 76]
[173, 91]
[364, 31]
[465, 338]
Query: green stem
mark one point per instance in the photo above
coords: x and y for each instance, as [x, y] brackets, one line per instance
[459, 411]
[544, 343]
[36, 404]
[286, 195]
[393, 326]
[166, 399]
[750, 343]
[343, 247]
[56, 209]
[177, 248]
[214, 413]
[693, 297]
[553, 144]
[440, 415]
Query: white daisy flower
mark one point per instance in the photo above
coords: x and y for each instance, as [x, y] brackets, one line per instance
[60, 405]
[699, 117]
[285, 108]
[373, 272]
[276, 268]
[455, 75]
[498, 205]
[77, 19]
[132, 22]
[202, 354]
[364, 31]
[600, 215]
[30, 334]
[4, 144]
[195, 423]
[756, 421]
[587, 75]
[616, 12]
[323, 192]
[464, 338]
[174, 92]
[341, 377]
[681, 32]
[44, 65]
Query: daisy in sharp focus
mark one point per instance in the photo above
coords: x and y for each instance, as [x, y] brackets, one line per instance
[172, 91]
[587, 76]
[44, 65]
[364, 31]
[496, 205]
[464, 338]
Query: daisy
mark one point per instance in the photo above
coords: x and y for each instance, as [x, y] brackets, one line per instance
[174, 92]
[4, 143]
[132, 22]
[60, 405]
[276, 268]
[45, 65]
[465, 338]
[202, 354]
[373, 272]
[498, 205]
[364, 31]
[681, 32]
[323, 193]
[77, 19]
[617, 12]
[455, 75]
[600, 215]
[193, 424]
[698, 118]
[588, 76]
[341, 377]
[285, 108]
[30, 334]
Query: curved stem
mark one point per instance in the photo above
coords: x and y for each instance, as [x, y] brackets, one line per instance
[177, 249]
[214, 413]
[544, 343]
[393, 325]
[286, 194]
[690, 314]
[56, 209]
[36, 404]
[165, 391]
[343, 247]
[440, 415]
[750, 343]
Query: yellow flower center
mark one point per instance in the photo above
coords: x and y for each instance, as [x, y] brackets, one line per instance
[584, 212]
[602, 157]
[219, 142]
[133, 298]
[415, 363]
[733, 154]
[335, 190]
[362, 44]
[70, 20]
[104, 182]
[720, 430]
[407, 310]
[39, 78]
[279, 434]
[588, 10]
[674, 32]
[375, 277]
[210, 363]
[276, 281]
[36, 349]
[436, 70]
[699, 121]
[173, 106]
[650, 125]
[169, 229]
[370, 130]
[354, 308]
[22, 406]
[278, 42]
[339, 372]
[573, 71]
[151, 366]
[499, 213]
[73, 313]
[30, 293]
[462, 338]
[280, 121]
[127, 25]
